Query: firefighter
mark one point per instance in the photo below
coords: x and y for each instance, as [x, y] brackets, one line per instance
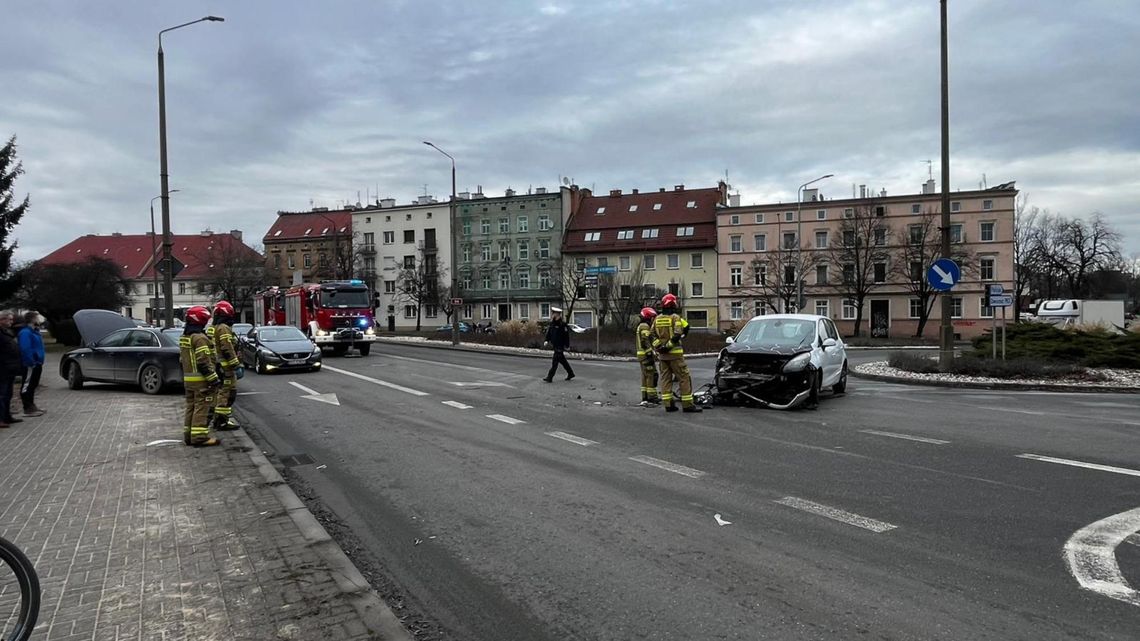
[668, 331]
[225, 351]
[647, 357]
[199, 377]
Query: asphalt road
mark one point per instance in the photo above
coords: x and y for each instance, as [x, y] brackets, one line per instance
[508, 508]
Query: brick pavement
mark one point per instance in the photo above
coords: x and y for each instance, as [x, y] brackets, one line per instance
[163, 541]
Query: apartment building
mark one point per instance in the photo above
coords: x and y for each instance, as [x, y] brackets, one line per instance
[309, 246]
[203, 256]
[395, 241]
[769, 252]
[509, 253]
[656, 242]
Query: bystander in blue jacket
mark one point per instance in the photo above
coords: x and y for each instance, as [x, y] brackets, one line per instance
[32, 356]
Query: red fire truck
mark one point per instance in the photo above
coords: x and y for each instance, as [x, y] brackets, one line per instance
[336, 314]
[269, 306]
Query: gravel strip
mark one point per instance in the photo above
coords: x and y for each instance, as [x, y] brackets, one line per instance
[1116, 379]
[479, 347]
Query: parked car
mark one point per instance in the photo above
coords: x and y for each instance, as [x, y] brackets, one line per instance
[463, 328]
[782, 361]
[117, 351]
[271, 348]
[576, 328]
[241, 329]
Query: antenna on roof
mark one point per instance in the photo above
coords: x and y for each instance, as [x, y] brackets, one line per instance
[930, 169]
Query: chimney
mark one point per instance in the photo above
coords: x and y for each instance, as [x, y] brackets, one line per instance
[236, 233]
[540, 190]
[928, 187]
[387, 202]
[206, 233]
[662, 190]
[678, 188]
[634, 192]
[862, 191]
[734, 200]
[614, 193]
[510, 192]
[810, 195]
[463, 195]
[882, 193]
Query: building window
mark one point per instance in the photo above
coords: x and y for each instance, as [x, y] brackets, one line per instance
[544, 278]
[880, 273]
[523, 224]
[987, 311]
[485, 226]
[389, 237]
[915, 234]
[698, 289]
[820, 240]
[916, 271]
[848, 238]
[486, 281]
[734, 219]
[468, 312]
[465, 283]
[735, 244]
[880, 236]
[307, 260]
[389, 287]
[625, 234]
[684, 231]
[624, 291]
[524, 280]
[821, 214]
[409, 236]
[524, 250]
[649, 262]
[789, 216]
[956, 307]
[822, 308]
[987, 232]
[692, 204]
[487, 311]
[524, 311]
[544, 311]
[956, 206]
[698, 318]
[915, 208]
[593, 236]
[673, 261]
[849, 212]
[880, 210]
[789, 240]
[736, 310]
[648, 233]
[504, 280]
[544, 223]
[409, 311]
[603, 261]
[987, 268]
[276, 261]
[759, 274]
[735, 276]
[987, 205]
[915, 308]
[544, 249]
[600, 211]
[624, 263]
[821, 274]
[759, 219]
[579, 265]
[431, 311]
[292, 261]
[633, 208]
[789, 273]
[181, 288]
[848, 274]
[504, 250]
[759, 308]
[697, 261]
[848, 312]
[485, 251]
[759, 242]
[956, 233]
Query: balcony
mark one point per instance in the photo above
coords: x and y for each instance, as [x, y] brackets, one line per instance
[367, 250]
[427, 246]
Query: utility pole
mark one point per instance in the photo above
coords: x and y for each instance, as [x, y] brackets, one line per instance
[946, 330]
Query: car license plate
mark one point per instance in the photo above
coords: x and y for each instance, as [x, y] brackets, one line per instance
[296, 362]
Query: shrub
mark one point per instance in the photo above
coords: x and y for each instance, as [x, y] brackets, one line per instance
[1045, 343]
[1013, 369]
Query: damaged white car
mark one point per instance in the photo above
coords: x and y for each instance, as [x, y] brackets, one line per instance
[782, 361]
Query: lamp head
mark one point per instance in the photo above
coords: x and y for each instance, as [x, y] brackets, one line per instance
[214, 19]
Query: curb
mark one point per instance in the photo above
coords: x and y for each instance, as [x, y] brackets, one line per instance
[576, 356]
[368, 605]
[1035, 387]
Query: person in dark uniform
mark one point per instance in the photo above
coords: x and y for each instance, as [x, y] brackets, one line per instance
[10, 368]
[558, 337]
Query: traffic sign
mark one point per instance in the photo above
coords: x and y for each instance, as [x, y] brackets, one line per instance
[1001, 301]
[456, 302]
[995, 289]
[943, 274]
[601, 269]
[177, 266]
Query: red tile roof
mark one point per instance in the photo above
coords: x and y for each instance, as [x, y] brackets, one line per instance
[132, 252]
[308, 224]
[661, 210]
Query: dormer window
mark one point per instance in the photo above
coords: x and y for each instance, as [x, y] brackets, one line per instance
[656, 206]
[633, 208]
[601, 210]
[625, 234]
[308, 230]
[692, 204]
[277, 233]
[684, 231]
[324, 231]
[593, 236]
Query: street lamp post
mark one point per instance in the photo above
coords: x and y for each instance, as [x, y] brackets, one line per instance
[946, 328]
[800, 241]
[154, 255]
[454, 235]
[168, 275]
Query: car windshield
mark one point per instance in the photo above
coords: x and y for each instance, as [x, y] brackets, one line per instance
[343, 298]
[777, 332]
[276, 334]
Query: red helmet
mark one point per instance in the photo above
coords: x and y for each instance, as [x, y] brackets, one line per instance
[198, 315]
[668, 300]
[647, 313]
[223, 307]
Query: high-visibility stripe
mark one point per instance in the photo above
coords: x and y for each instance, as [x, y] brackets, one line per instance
[193, 378]
[233, 362]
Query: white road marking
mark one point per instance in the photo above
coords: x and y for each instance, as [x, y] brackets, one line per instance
[481, 384]
[1091, 466]
[720, 521]
[457, 405]
[303, 388]
[313, 395]
[248, 393]
[920, 439]
[456, 366]
[506, 419]
[668, 467]
[400, 388]
[837, 514]
[585, 442]
[1091, 556]
[1010, 409]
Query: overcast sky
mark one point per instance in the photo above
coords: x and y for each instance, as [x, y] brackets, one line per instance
[293, 101]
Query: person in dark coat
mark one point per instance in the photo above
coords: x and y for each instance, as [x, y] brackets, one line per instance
[558, 336]
[10, 368]
[32, 357]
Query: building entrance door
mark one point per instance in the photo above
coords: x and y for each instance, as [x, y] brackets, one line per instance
[504, 312]
[880, 318]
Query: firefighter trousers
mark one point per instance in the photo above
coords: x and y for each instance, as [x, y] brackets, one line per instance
[675, 369]
[649, 379]
[199, 401]
[224, 403]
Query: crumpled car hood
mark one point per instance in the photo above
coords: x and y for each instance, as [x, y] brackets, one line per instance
[737, 349]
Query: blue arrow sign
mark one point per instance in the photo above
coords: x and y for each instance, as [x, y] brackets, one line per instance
[943, 274]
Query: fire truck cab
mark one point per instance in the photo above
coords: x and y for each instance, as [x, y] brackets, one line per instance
[336, 315]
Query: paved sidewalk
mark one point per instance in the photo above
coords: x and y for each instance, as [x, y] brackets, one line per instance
[140, 540]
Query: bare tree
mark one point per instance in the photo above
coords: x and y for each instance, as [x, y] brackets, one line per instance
[860, 256]
[1063, 253]
[627, 295]
[572, 284]
[340, 260]
[1024, 250]
[775, 276]
[235, 270]
[919, 249]
[420, 283]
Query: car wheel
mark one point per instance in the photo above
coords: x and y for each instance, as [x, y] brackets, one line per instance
[258, 365]
[365, 348]
[74, 377]
[150, 379]
[841, 386]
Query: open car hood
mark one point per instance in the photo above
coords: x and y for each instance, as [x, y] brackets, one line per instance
[94, 324]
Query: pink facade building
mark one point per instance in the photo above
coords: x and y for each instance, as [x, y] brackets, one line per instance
[875, 245]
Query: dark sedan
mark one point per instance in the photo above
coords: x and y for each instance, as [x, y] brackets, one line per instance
[271, 348]
[116, 351]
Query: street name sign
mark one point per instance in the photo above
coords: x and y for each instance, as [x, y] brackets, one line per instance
[943, 274]
[602, 269]
[1001, 301]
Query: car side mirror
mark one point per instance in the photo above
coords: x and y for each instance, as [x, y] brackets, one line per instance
[729, 341]
[829, 342]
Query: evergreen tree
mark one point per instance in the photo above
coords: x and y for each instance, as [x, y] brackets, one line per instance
[10, 215]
